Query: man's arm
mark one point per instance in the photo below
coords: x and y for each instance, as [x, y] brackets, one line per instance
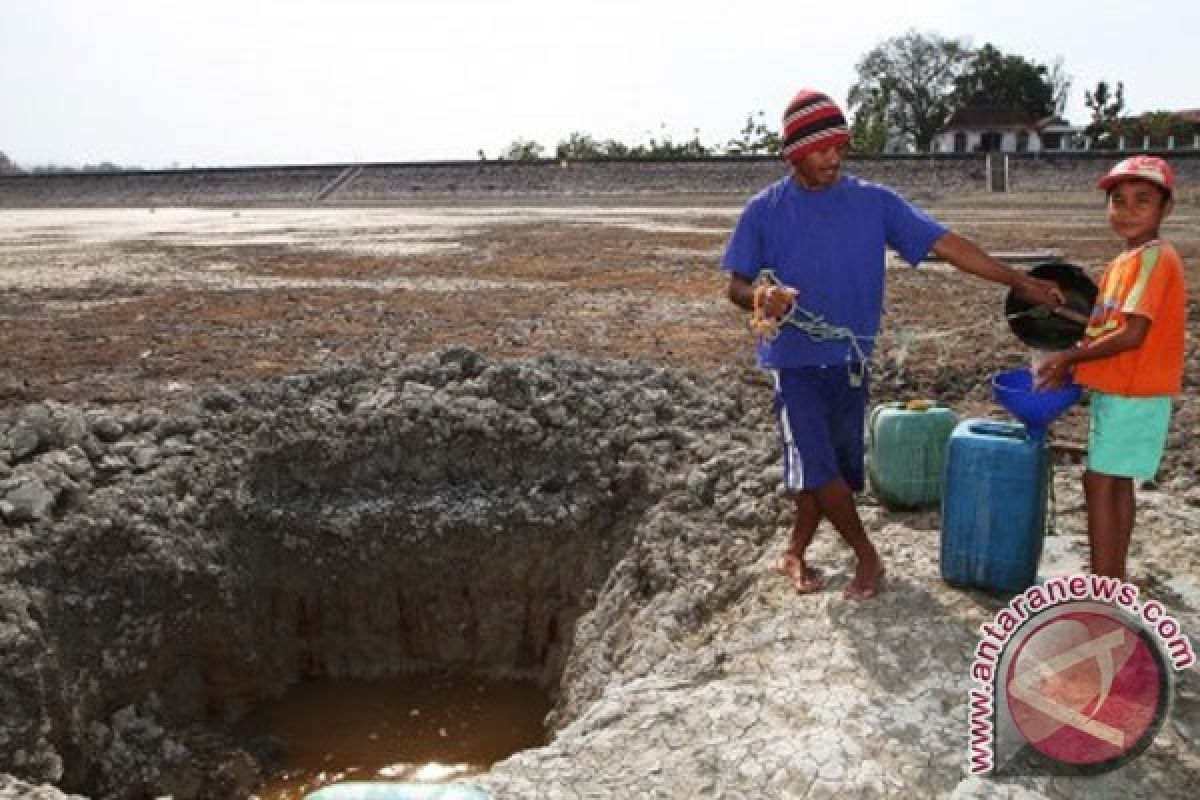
[970, 258]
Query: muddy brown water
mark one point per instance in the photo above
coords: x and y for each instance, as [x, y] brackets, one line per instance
[419, 728]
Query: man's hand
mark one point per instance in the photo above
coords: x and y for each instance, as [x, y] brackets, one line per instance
[776, 301]
[1038, 291]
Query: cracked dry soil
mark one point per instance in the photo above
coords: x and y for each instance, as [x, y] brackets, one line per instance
[136, 310]
[129, 305]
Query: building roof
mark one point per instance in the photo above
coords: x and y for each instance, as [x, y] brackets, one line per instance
[975, 117]
[1057, 125]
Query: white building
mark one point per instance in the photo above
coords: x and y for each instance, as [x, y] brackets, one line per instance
[985, 129]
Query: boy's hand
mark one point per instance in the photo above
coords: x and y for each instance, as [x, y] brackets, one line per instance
[1053, 373]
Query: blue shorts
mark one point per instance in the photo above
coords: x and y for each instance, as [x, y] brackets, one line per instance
[822, 424]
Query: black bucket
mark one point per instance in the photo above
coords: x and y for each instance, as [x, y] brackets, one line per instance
[1039, 327]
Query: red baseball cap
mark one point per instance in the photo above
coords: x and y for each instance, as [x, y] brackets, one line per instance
[1147, 168]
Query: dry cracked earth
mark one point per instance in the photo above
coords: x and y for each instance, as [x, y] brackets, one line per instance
[122, 306]
[133, 307]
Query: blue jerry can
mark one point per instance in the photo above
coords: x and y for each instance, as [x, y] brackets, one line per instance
[993, 506]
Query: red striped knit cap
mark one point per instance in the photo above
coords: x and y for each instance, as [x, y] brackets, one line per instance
[812, 122]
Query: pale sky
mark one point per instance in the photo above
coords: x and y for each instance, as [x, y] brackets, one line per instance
[156, 83]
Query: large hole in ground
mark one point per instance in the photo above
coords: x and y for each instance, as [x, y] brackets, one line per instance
[442, 515]
[423, 728]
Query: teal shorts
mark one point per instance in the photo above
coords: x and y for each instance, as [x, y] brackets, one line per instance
[1128, 434]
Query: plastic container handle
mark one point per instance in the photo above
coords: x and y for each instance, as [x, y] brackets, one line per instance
[1005, 429]
[875, 412]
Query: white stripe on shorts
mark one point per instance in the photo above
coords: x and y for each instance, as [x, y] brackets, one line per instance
[793, 464]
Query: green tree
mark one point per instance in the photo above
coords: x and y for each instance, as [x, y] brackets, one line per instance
[578, 146]
[667, 148]
[523, 150]
[8, 166]
[1006, 81]
[103, 166]
[1106, 107]
[1158, 126]
[915, 72]
[582, 146]
[869, 128]
[755, 138]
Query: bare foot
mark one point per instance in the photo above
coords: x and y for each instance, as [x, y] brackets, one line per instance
[805, 579]
[866, 580]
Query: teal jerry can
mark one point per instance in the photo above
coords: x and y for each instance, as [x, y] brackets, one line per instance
[906, 452]
[383, 790]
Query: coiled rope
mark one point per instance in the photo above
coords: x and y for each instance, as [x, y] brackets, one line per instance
[813, 325]
[817, 328]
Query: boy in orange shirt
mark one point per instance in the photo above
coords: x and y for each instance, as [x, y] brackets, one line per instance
[1131, 357]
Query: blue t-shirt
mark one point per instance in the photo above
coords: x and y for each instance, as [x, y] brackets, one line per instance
[831, 246]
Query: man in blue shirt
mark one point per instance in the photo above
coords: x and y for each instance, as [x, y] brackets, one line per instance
[821, 237]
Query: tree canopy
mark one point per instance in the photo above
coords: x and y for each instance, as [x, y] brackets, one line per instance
[1106, 106]
[910, 85]
[755, 138]
[8, 166]
[909, 80]
[523, 150]
[583, 146]
[1005, 81]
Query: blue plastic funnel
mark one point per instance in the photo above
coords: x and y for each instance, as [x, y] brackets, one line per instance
[1035, 408]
